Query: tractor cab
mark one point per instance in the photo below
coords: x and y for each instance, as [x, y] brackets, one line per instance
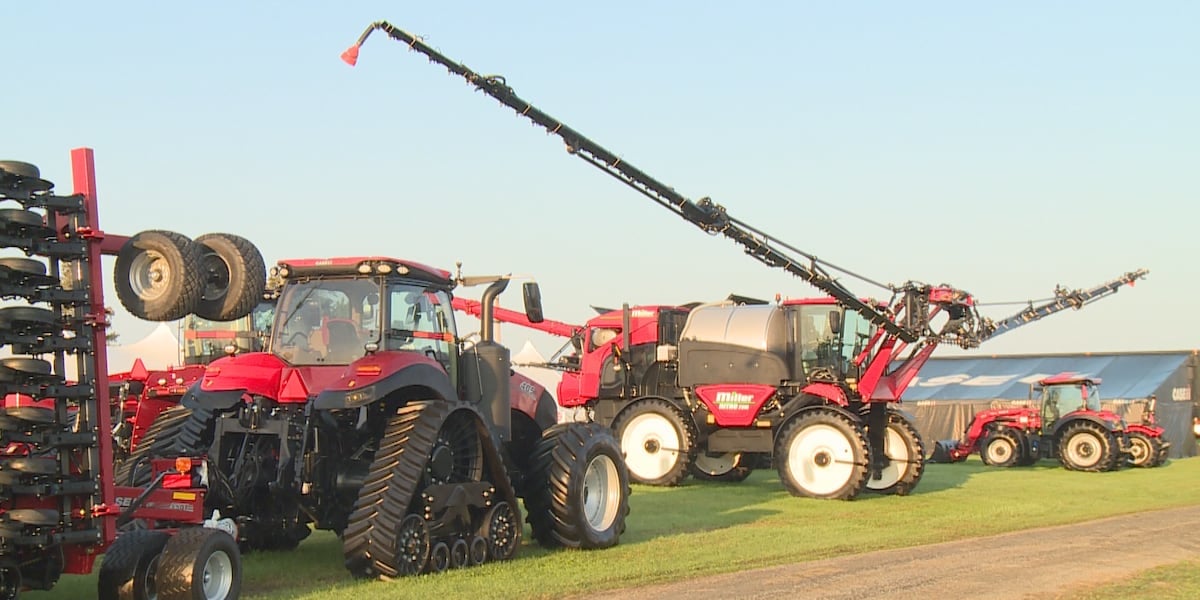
[335, 313]
[826, 338]
[1064, 394]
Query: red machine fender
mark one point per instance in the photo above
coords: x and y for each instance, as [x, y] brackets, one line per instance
[377, 377]
[532, 398]
[1107, 420]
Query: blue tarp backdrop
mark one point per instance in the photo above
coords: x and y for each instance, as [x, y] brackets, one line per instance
[949, 391]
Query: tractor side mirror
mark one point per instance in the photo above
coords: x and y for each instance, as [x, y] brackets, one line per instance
[835, 322]
[533, 302]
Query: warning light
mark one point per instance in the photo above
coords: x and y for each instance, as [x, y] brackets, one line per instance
[183, 464]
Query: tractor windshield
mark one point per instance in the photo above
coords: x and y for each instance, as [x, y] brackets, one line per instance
[421, 319]
[326, 321]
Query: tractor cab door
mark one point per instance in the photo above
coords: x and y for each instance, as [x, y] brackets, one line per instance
[1060, 399]
[421, 319]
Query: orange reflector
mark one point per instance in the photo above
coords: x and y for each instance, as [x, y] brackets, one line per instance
[183, 464]
[212, 371]
[368, 369]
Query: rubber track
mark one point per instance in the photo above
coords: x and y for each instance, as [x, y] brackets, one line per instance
[551, 516]
[176, 431]
[369, 540]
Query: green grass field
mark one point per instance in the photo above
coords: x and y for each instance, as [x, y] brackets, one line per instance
[702, 529]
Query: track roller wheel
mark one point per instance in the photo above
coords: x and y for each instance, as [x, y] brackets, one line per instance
[479, 550]
[656, 440]
[822, 453]
[579, 492]
[501, 531]
[460, 554]
[156, 275]
[232, 274]
[199, 563]
[130, 566]
[439, 557]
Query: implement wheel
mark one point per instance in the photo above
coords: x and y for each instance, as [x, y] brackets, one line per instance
[131, 565]
[156, 275]
[199, 563]
[232, 274]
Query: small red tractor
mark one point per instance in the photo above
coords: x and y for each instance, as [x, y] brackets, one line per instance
[1065, 422]
[368, 415]
[59, 507]
[815, 384]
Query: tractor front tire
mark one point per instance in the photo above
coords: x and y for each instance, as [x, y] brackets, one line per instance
[155, 275]
[906, 464]
[130, 566]
[1001, 449]
[1087, 446]
[656, 440]
[822, 453]
[578, 495]
[232, 276]
[199, 563]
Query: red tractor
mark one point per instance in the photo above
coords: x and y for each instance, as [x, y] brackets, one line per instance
[749, 380]
[368, 415]
[1067, 423]
[59, 507]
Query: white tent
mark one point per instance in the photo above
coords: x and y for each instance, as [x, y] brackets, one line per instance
[158, 350]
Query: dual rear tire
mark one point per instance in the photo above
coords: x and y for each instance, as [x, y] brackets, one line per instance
[164, 276]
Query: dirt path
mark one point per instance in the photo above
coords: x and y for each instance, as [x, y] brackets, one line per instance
[1035, 563]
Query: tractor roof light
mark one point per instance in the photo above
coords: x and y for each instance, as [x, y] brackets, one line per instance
[364, 268]
[384, 268]
[284, 271]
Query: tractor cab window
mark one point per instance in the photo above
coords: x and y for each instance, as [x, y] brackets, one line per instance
[1062, 399]
[421, 320]
[325, 321]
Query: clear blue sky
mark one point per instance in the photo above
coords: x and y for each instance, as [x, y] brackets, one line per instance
[1003, 148]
